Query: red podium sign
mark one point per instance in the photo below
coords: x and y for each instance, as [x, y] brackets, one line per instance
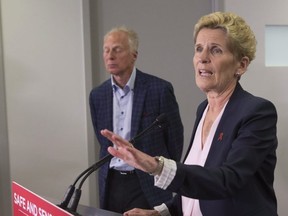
[28, 203]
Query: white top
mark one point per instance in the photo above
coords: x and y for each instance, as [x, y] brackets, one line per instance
[196, 156]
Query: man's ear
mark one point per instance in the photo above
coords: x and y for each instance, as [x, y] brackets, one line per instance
[135, 54]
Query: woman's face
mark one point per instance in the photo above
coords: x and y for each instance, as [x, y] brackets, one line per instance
[215, 65]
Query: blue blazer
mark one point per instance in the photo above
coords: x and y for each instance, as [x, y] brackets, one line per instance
[152, 97]
[237, 178]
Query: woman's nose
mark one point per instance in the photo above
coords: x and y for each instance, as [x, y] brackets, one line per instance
[204, 61]
[204, 57]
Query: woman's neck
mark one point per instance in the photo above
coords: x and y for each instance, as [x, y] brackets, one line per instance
[216, 101]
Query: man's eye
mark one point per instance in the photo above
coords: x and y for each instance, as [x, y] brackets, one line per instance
[118, 50]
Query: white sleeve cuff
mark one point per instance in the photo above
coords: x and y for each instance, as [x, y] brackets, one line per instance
[162, 209]
[167, 175]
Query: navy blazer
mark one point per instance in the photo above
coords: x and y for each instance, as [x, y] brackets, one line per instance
[152, 97]
[237, 178]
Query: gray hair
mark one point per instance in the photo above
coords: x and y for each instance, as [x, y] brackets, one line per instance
[133, 39]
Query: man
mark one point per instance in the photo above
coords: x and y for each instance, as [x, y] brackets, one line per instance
[127, 104]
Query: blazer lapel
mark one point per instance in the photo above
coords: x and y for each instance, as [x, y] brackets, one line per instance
[138, 102]
[108, 115]
[200, 111]
[223, 128]
[221, 142]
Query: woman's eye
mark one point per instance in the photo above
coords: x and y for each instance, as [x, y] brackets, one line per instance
[216, 50]
[198, 49]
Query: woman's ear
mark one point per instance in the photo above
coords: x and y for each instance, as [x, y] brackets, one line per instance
[244, 62]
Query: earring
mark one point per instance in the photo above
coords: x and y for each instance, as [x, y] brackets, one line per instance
[237, 75]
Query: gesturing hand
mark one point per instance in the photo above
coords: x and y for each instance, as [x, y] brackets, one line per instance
[141, 212]
[126, 151]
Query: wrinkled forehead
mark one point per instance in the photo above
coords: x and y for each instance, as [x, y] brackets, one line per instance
[116, 37]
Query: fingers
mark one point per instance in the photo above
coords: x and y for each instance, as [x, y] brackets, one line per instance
[141, 212]
[126, 151]
[116, 153]
[112, 151]
[134, 212]
[117, 140]
[122, 153]
[106, 133]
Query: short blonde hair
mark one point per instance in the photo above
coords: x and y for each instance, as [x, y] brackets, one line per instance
[242, 41]
[133, 39]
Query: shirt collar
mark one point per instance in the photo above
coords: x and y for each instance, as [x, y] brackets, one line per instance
[129, 85]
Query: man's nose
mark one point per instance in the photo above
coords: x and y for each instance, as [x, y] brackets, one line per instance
[110, 55]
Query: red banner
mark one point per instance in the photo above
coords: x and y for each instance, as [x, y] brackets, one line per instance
[28, 203]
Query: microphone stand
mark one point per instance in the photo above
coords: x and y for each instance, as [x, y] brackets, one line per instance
[72, 197]
[74, 201]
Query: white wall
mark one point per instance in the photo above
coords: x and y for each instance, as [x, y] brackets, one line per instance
[47, 77]
[5, 204]
[268, 82]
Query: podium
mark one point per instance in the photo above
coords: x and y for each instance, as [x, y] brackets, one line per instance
[27, 203]
[90, 211]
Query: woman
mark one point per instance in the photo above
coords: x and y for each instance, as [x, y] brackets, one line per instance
[229, 167]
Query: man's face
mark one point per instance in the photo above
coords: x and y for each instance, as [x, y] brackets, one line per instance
[118, 57]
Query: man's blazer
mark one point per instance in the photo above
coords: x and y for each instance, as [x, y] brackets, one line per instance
[152, 97]
[237, 178]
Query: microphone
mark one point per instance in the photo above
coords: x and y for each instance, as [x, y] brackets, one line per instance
[159, 122]
[71, 203]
